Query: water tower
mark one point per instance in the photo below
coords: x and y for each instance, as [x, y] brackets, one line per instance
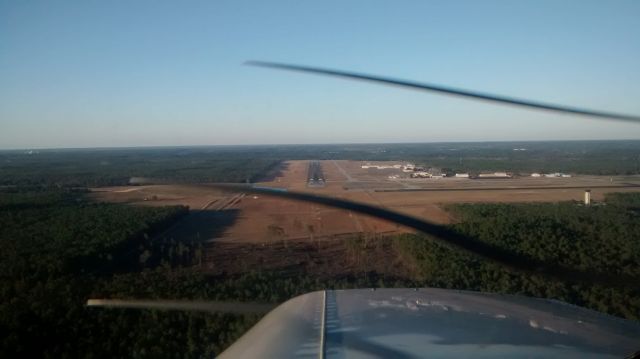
[587, 197]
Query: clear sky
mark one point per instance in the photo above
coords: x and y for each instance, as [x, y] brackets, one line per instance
[145, 73]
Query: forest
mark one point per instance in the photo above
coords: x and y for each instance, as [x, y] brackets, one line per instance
[116, 167]
[601, 239]
[57, 249]
[111, 167]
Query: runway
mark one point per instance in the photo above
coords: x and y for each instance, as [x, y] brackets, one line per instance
[315, 177]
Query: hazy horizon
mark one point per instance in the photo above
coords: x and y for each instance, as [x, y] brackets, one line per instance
[310, 144]
[87, 74]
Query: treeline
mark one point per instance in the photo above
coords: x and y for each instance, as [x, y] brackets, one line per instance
[577, 157]
[54, 247]
[52, 233]
[115, 167]
[111, 167]
[602, 238]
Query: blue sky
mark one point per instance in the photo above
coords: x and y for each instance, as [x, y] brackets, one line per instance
[147, 73]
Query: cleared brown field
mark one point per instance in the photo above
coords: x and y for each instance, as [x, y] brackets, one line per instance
[263, 219]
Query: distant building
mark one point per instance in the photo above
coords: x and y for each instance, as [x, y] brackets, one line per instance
[381, 167]
[494, 175]
[552, 174]
[409, 167]
[421, 174]
[557, 174]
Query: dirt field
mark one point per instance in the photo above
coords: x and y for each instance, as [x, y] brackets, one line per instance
[245, 232]
[261, 219]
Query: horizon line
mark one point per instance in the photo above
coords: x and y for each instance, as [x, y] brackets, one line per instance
[141, 147]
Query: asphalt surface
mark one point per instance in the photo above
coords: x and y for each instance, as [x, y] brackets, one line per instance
[315, 177]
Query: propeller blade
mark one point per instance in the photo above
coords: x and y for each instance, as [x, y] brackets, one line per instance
[447, 236]
[199, 306]
[450, 91]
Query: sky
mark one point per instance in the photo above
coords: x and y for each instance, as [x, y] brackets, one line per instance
[96, 73]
